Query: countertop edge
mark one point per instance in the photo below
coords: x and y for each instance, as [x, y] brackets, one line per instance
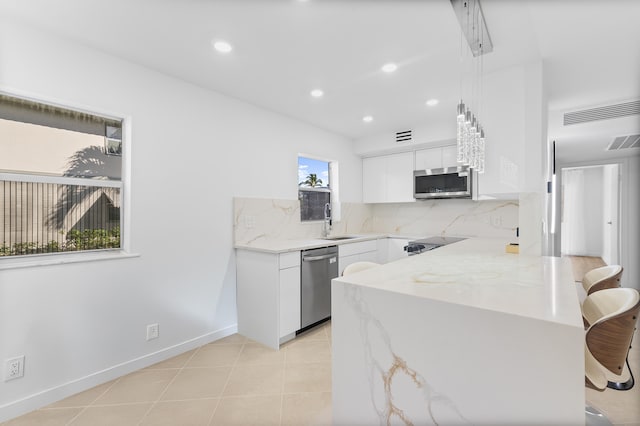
[285, 246]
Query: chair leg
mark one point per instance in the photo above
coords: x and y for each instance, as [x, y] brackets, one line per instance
[623, 386]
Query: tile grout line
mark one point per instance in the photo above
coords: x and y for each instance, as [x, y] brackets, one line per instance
[226, 383]
[74, 418]
[154, 403]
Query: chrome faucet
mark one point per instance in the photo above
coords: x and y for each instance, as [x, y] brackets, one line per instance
[326, 228]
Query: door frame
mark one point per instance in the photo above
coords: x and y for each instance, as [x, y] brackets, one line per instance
[621, 217]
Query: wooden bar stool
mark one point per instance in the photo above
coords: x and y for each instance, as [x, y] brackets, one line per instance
[601, 278]
[614, 313]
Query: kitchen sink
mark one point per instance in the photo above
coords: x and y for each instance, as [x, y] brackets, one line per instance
[340, 237]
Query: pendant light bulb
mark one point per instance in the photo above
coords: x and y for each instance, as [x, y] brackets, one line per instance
[460, 129]
[481, 145]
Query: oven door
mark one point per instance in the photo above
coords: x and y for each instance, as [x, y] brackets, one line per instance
[451, 182]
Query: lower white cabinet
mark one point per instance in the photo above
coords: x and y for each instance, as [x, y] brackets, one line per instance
[395, 248]
[290, 299]
[268, 295]
[391, 248]
[357, 252]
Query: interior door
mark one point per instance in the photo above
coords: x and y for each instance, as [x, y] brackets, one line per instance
[611, 211]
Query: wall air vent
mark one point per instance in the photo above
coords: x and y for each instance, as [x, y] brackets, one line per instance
[624, 142]
[403, 136]
[602, 113]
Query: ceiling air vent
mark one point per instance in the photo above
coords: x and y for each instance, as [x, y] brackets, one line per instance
[602, 113]
[624, 142]
[403, 136]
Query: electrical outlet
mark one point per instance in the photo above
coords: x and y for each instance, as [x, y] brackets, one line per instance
[153, 331]
[14, 368]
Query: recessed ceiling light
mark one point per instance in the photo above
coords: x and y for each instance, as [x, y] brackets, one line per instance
[317, 93]
[390, 67]
[222, 46]
[432, 102]
[367, 119]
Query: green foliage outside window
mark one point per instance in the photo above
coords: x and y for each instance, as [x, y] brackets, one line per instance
[76, 240]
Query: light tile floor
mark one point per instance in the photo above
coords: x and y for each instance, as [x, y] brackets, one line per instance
[233, 381]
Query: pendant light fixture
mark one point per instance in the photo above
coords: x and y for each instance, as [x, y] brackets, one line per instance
[470, 138]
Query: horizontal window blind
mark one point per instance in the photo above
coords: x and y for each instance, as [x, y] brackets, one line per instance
[27, 111]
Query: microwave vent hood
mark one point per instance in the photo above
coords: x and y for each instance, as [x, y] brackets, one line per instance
[449, 182]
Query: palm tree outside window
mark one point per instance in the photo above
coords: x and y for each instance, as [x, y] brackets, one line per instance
[314, 190]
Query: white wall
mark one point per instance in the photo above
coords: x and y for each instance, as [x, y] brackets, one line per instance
[192, 150]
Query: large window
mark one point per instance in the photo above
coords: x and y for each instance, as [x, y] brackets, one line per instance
[313, 188]
[60, 179]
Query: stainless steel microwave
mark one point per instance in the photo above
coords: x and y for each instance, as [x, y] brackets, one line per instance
[448, 182]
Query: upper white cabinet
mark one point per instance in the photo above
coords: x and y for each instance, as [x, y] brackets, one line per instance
[515, 128]
[374, 181]
[436, 158]
[449, 156]
[388, 178]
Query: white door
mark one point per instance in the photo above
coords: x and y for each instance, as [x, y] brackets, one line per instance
[582, 227]
[611, 201]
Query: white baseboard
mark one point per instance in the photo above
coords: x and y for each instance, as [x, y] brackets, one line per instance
[57, 393]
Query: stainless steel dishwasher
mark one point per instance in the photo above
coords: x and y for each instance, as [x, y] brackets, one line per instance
[319, 267]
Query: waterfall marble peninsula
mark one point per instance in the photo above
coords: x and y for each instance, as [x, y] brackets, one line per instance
[465, 334]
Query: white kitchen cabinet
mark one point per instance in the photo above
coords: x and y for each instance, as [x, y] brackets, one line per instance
[289, 301]
[289, 293]
[450, 156]
[357, 252]
[268, 295]
[515, 128]
[388, 178]
[436, 158]
[395, 248]
[391, 249]
[374, 186]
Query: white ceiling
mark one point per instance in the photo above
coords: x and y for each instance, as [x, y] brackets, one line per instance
[285, 48]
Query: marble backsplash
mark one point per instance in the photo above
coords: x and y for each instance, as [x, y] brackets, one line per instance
[270, 219]
[448, 218]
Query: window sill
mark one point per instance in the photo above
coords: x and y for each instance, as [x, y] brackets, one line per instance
[62, 259]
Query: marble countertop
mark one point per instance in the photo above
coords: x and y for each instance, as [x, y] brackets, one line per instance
[283, 246]
[477, 272]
